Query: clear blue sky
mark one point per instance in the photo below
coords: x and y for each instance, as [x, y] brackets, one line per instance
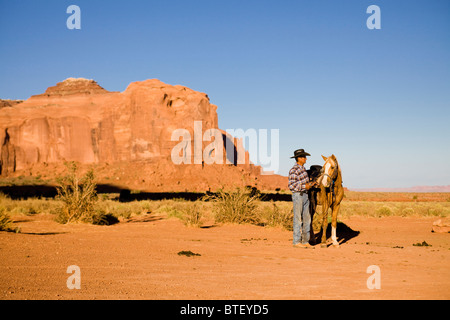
[378, 99]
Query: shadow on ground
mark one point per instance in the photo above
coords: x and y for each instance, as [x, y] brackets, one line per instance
[125, 195]
[343, 233]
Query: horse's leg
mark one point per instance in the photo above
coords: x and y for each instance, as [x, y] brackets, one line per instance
[324, 222]
[335, 210]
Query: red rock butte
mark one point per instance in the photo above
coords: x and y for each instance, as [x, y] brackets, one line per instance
[125, 136]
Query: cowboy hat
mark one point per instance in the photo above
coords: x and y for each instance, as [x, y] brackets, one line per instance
[300, 153]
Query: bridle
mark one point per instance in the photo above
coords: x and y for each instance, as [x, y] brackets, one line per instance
[332, 177]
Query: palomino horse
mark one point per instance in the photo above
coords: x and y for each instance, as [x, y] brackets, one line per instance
[331, 195]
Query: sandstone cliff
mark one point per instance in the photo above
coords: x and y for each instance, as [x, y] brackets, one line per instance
[130, 131]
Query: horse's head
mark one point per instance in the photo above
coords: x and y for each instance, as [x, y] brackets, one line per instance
[330, 170]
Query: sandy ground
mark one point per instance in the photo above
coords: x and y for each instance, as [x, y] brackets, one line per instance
[139, 260]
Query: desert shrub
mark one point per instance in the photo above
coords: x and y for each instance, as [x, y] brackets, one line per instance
[6, 223]
[6, 202]
[124, 210]
[107, 212]
[279, 216]
[29, 206]
[148, 206]
[236, 206]
[5, 220]
[405, 212]
[171, 210]
[32, 206]
[437, 211]
[192, 215]
[78, 196]
[384, 211]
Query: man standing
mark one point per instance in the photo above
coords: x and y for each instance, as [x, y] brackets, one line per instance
[299, 185]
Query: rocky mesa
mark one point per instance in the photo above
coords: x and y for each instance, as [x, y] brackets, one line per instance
[126, 136]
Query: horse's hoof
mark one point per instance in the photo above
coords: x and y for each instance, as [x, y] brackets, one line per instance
[324, 245]
[336, 245]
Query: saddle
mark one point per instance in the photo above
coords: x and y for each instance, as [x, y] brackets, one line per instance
[314, 172]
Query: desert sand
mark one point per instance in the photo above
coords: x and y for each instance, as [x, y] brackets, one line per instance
[138, 259]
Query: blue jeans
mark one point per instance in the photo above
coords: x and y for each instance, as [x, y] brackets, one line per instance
[302, 218]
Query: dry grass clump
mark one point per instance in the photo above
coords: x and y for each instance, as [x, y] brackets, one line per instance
[400, 209]
[238, 206]
[6, 224]
[124, 210]
[78, 196]
[193, 215]
[277, 214]
[28, 206]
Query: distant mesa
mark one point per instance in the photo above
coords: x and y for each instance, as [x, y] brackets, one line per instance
[417, 189]
[125, 135]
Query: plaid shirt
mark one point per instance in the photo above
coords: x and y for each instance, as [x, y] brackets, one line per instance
[298, 177]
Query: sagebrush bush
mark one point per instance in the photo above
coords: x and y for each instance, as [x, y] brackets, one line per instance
[237, 206]
[78, 196]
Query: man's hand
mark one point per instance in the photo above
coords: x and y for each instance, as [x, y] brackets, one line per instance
[310, 185]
